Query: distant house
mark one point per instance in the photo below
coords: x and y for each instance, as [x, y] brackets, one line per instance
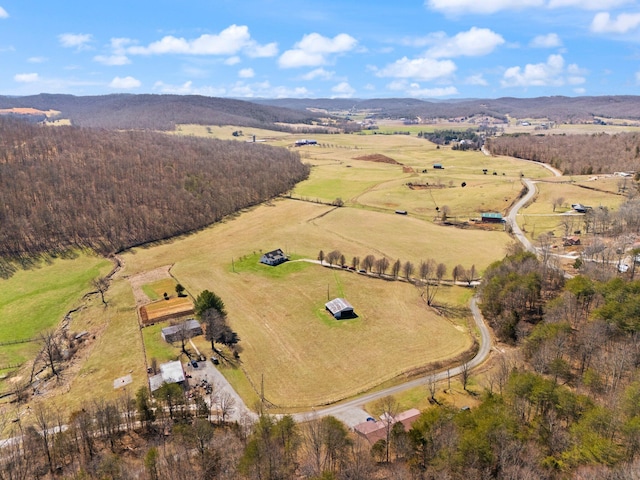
[273, 258]
[170, 372]
[175, 333]
[492, 217]
[439, 166]
[578, 207]
[305, 141]
[340, 308]
[401, 212]
[374, 431]
[570, 241]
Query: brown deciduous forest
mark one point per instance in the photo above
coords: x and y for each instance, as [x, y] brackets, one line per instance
[64, 187]
[162, 112]
[573, 154]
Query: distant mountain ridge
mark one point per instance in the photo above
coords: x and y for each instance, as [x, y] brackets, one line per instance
[164, 112]
[159, 112]
[557, 108]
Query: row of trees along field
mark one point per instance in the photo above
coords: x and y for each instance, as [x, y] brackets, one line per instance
[427, 276]
[110, 190]
[573, 154]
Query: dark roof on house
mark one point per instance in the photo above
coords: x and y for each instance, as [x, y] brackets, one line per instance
[189, 325]
[274, 255]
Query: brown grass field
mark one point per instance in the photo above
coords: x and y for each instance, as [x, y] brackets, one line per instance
[305, 356]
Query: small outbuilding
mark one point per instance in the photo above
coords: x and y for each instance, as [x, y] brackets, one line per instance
[492, 217]
[438, 166]
[340, 308]
[174, 333]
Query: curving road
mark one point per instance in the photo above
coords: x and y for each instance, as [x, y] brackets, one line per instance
[511, 216]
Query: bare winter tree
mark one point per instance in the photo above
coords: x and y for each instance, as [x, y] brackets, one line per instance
[368, 262]
[101, 284]
[395, 269]
[407, 270]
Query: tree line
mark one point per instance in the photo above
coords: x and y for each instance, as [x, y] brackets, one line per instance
[430, 273]
[573, 154]
[110, 190]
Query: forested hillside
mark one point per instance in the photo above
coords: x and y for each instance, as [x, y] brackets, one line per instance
[109, 190]
[161, 112]
[573, 154]
[559, 109]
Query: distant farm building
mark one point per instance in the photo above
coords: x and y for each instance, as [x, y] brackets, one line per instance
[305, 141]
[578, 207]
[401, 212]
[492, 217]
[170, 372]
[570, 241]
[374, 431]
[438, 166]
[340, 308]
[273, 258]
[175, 333]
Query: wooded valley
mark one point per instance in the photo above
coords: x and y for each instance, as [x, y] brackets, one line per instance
[108, 190]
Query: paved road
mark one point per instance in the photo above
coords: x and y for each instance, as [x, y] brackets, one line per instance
[511, 216]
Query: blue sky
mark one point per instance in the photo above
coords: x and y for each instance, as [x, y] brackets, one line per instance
[431, 49]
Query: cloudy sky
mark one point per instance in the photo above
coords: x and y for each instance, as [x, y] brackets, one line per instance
[331, 48]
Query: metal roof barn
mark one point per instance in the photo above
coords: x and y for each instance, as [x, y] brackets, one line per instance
[340, 308]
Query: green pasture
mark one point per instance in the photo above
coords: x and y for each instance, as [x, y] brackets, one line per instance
[156, 290]
[156, 347]
[35, 300]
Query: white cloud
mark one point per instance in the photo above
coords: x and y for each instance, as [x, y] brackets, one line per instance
[36, 59]
[26, 77]
[637, 78]
[580, 90]
[232, 60]
[603, 23]
[187, 88]
[125, 83]
[112, 60]
[418, 69]
[230, 41]
[320, 73]
[313, 50]
[472, 43]
[550, 40]
[476, 80]
[475, 6]
[588, 4]
[261, 51]
[3, 13]
[458, 7]
[75, 40]
[551, 73]
[246, 73]
[342, 90]
[415, 90]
